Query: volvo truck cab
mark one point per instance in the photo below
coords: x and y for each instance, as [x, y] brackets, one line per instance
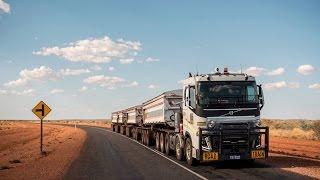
[221, 118]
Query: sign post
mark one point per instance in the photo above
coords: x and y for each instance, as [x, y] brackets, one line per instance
[41, 110]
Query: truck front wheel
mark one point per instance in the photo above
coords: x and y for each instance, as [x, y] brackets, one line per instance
[179, 150]
[188, 146]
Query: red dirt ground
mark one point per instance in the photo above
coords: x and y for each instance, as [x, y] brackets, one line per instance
[20, 156]
[297, 147]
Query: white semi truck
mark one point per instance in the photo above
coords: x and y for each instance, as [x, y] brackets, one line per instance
[214, 117]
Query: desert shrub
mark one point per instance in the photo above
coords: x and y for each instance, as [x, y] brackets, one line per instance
[316, 128]
[295, 133]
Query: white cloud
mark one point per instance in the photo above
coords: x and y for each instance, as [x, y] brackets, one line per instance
[255, 71]
[150, 59]
[5, 7]
[293, 85]
[314, 86]
[28, 92]
[99, 50]
[306, 69]
[111, 68]
[73, 72]
[276, 72]
[42, 73]
[111, 82]
[133, 84]
[56, 91]
[3, 92]
[83, 88]
[126, 61]
[18, 82]
[96, 68]
[152, 86]
[275, 85]
[281, 84]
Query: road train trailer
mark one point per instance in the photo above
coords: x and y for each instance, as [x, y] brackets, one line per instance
[214, 117]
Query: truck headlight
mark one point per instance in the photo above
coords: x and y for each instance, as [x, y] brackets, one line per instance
[211, 124]
[257, 123]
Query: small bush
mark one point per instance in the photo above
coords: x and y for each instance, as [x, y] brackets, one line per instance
[316, 129]
[4, 167]
[15, 161]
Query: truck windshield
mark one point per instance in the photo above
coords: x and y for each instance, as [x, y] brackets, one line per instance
[225, 92]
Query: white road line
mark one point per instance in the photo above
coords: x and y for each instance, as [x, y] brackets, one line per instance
[157, 152]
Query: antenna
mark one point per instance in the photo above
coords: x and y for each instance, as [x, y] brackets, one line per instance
[197, 70]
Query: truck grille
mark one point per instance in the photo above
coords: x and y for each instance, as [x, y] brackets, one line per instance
[234, 135]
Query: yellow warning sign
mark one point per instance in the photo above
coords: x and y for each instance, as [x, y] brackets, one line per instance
[41, 110]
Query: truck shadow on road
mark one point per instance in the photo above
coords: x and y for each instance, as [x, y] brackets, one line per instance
[235, 165]
[271, 162]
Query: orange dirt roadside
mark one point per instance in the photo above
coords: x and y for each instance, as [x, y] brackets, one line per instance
[297, 147]
[20, 156]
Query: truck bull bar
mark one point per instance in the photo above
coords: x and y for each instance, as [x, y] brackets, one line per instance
[233, 142]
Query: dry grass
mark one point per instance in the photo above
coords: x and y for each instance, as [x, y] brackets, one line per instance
[297, 129]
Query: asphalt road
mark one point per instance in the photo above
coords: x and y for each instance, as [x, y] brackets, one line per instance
[107, 155]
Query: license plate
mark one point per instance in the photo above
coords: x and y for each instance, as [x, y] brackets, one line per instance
[210, 156]
[258, 154]
[234, 157]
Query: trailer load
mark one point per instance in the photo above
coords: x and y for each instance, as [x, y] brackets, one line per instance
[214, 117]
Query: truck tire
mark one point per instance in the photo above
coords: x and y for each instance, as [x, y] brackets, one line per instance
[127, 132]
[134, 134]
[157, 141]
[188, 147]
[137, 134]
[147, 138]
[116, 128]
[143, 137]
[167, 144]
[179, 150]
[162, 143]
[123, 130]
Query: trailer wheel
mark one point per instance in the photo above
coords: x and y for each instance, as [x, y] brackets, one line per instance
[179, 150]
[147, 138]
[137, 135]
[134, 134]
[162, 143]
[144, 137]
[167, 144]
[116, 128]
[123, 130]
[127, 132]
[157, 141]
[188, 147]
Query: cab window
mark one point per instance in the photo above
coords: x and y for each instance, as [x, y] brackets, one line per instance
[192, 97]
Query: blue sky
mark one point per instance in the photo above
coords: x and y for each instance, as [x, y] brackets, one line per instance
[88, 58]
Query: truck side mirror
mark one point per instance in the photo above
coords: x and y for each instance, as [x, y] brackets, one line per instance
[260, 96]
